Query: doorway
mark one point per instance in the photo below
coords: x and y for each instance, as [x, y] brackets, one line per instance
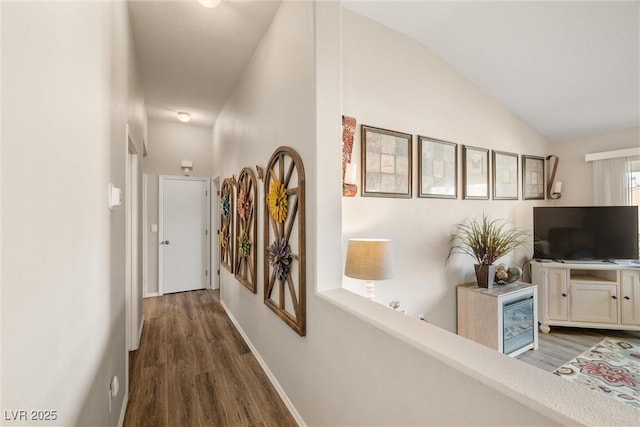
[215, 227]
[184, 212]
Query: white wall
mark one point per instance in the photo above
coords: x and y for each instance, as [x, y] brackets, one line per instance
[345, 371]
[169, 143]
[1, 219]
[576, 174]
[393, 82]
[69, 90]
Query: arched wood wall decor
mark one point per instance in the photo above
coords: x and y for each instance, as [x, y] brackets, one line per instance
[284, 238]
[247, 230]
[226, 224]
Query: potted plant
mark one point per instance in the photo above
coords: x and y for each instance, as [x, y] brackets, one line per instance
[485, 241]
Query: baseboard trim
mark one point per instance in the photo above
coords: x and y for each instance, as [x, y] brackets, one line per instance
[151, 295]
[125, 402]
[263, 364]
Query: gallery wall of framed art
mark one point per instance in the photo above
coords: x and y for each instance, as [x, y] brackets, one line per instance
[445, 169]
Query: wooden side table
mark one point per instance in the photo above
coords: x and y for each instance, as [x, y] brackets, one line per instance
[504, 317]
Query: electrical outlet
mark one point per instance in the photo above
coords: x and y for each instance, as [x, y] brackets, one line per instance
[114, 387]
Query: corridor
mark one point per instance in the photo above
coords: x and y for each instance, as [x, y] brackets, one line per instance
[194, 369]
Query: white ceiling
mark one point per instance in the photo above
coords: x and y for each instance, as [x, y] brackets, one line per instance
[190, 57]
[568, 68]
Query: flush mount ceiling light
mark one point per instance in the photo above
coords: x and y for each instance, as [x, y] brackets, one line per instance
[184, 117]
[209, 3]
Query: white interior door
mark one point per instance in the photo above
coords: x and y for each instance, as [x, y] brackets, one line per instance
[215, 227]
[184, 219]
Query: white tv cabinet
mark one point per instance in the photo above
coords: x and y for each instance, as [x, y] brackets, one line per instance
[588, 295]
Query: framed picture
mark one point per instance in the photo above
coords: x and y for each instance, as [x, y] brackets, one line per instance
[475, 173]
[533, 177]
[505, 176]
[386, 163]
[437, 168]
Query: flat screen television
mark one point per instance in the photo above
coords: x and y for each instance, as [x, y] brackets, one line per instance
[593, 233]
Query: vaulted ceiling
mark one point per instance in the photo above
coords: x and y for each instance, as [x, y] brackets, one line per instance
[568, 68]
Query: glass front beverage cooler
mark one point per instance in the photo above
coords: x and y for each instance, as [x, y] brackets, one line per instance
[518, 324]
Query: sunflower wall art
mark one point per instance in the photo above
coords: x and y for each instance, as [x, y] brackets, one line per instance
[226, 232]
[247, 230]
[284, 238]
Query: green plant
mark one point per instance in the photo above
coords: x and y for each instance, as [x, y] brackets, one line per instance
[485, 241]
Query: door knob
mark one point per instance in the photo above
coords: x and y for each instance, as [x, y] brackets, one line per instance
[627, 298]
[614, 297]
[165, 242]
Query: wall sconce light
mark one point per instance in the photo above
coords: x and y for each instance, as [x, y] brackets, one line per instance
[554, 188]
[183, 116]
[186, 166]
[369, 259]
[349, 187]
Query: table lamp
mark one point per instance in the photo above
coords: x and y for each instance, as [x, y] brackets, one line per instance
[369, 259]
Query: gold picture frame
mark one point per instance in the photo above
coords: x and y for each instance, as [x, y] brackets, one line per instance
[505, 175]
[475, 173]
[386, 163]
[437, 168]
[532, 177]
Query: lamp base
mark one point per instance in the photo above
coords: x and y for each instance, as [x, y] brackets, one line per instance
[370, 287]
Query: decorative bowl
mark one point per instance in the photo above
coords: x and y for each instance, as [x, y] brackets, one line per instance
[505, 275]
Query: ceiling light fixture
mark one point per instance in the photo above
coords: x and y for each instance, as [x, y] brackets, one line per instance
[209, 3]
[184, 117]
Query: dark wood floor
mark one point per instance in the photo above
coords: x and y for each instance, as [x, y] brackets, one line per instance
[563, 344]
[194, 369]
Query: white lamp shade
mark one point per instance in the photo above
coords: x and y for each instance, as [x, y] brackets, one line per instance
[369, 259]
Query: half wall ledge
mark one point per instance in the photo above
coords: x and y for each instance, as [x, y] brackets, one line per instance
[559, 400]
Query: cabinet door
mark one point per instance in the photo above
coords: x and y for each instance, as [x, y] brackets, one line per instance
[555, 295]
[630, 298]
[596, 303]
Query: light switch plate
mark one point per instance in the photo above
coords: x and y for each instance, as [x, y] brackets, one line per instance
[115, 196]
